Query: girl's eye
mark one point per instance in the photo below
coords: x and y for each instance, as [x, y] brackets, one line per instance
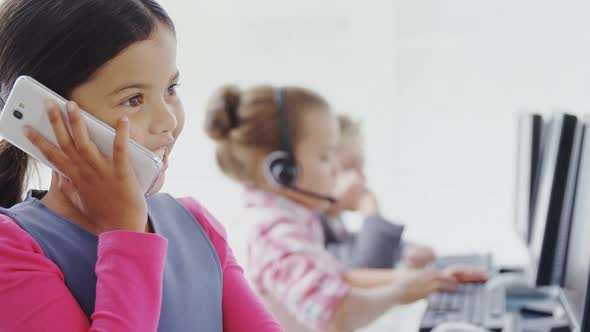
[134, 101]
[172, 89]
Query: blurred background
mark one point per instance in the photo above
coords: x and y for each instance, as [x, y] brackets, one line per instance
[437, 85]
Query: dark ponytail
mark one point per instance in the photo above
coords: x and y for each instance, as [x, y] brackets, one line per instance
[61, 43]
[13, 170]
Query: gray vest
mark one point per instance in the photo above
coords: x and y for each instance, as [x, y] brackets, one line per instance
[192, 293]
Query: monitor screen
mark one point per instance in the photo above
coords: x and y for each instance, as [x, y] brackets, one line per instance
[527, 170]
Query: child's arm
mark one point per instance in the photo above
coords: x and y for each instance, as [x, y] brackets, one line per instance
[363, 305]
[374, 291]
[242, 310]
[34, 297]
[368, 278]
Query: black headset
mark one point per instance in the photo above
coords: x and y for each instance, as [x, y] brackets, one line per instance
[280, 167]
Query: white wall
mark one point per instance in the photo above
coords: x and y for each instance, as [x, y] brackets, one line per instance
[464, 69]
[343, 49]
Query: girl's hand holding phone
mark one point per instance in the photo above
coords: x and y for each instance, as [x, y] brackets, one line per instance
[105, 189]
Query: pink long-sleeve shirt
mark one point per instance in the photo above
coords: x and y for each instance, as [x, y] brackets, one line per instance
[129, 270]
[288, 262]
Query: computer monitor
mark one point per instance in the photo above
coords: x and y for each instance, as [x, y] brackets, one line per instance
[577, 267]
[527, 170]
[554, 201]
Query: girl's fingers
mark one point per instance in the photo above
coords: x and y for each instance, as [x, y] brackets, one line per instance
[62, 134]
[120, 157]
[86, 148]
[51, 152]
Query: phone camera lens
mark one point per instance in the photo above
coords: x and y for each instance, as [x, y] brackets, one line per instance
[17, 114]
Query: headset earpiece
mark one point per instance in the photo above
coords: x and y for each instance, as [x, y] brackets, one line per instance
[280, 169]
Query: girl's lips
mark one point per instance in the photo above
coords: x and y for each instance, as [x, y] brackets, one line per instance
[163, 154]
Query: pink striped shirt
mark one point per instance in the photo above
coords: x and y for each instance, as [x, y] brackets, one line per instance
[287, 260]
[130, 266]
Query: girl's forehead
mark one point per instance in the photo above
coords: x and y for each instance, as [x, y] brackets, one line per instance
[158, 53]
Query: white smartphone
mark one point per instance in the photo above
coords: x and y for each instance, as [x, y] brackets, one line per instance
[25, 106]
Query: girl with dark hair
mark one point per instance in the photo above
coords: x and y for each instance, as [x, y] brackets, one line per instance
[93, 253]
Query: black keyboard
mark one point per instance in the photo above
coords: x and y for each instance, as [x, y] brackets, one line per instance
[466, 304]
